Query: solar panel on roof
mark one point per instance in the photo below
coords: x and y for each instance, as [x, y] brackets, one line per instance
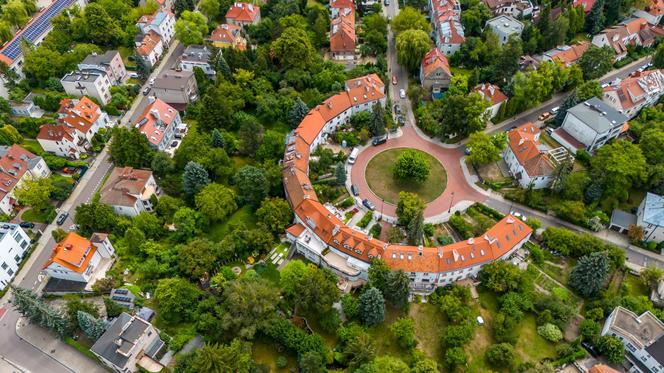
[121, 291]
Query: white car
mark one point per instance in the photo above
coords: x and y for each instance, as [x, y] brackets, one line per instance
[151, 82]
[555, 110]
[402, 93]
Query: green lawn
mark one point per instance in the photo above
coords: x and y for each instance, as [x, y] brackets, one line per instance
[429, 326]
[44, 216]
[33, 146]
[242, 216]
[266, 353]
[381, 181]
[269, 272]
[383, 338]
[636, 287]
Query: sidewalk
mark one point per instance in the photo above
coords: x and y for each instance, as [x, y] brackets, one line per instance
[66, 355]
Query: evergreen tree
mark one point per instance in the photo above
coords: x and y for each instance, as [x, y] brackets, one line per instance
[223, 68]
[377, 123]
[340, 173]
[195, 177]
[28, 304]
[612, 11]
[658, 59]
[91, 326]
[569, 102]
[595, 18]
[589, 274]
[416, 230]
[372, 307]
[218, 140]
[297, 112]
[397, 288]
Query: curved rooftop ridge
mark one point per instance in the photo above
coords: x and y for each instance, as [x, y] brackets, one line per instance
[312, 216]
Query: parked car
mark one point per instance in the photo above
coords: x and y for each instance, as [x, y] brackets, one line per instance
[134, 75]
[354, 190]
[386, 2]
[62, 218]
[174, 144]
[544, 116]
[73, 227]
[368, 204]
[394, 79]
[397, 108]
[555, 110]
[146, 90]
[82, 172]
[401, 120]
[69, 170]
[590, 348]
[27, 224]
[151, 82]
[379, 140]
[402, 93]
[549, 130]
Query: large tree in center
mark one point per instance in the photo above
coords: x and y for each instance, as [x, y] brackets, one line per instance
[412, 166]
[412, 45]
[589, 274]
[293, 49]
[410, 18]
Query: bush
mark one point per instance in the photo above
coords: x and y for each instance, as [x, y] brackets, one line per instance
[366, 219]
[486, 210]
[464, 229]
[445, 239]
[550, 332]
[500, 355]
[282, 362]
[376, 229]
[429, 229]
[348, 202]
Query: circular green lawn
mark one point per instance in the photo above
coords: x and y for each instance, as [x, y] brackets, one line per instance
[382, 182]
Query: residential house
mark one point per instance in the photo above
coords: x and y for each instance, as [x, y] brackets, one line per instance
[26, 107]
[61, 140]
[652, 13]
[494, 95]
[642, 336]
[129, 191]
[16, 166]
[159, 122]
[634, 31]
[528, 63]
[586, 4]
[601, 368]
[589, 125]
[650, 216]
[514, 8]
[337, 6]
[435, 74]
[110, 62]
[14, 244]
[197, 56]
[176, 88]
[504, 26]
[84, 116]
[566, 54]
[241, 14]
[150, 48]
[529, 163]
[91, 83]
[342, 35]
[228, 35]
[76, 258]
[161, 22]
[33, 33]
[633, 93]
[128, 344]
[448, 33]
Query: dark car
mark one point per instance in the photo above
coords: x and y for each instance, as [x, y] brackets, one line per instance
[402, 120]
[62, 218]
[27, 224]
[82, 172]
[379, 140]
[590, 348]
[354, 190]
[397, 108]
[368, 204]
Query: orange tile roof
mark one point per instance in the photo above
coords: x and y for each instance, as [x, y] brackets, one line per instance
[342, 32]
[656, 8]
[150, 41]
[571, 54]
[491, 92]
[587, 4]
[295, 229]
[297, 153]
[79, 114]
[334, 106]
[229, 34]
[434, 60]
[340, 4]
[636, 25]
[364, 89]
[53, 132]
[634, 89]
[310, 126]
[298, 186]
[601, 368]
[13, 165]
[525, 146]
[243, 12]
[152, 127]
[73, 252]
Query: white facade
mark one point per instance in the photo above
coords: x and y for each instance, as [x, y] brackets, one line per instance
[14, 243]
[525, 181]
[64, 147]
[504, 26]
[88, 83]
[586, 135]
[56, 270]
[142, 204]
[162, 22]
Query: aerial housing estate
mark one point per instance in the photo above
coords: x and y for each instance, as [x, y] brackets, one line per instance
[16, 166]
[635, 92]
[155, 34]
[631, 31]
[160, 123]
[342, 30]
[14, 243]
[446, 25]
[322, 237]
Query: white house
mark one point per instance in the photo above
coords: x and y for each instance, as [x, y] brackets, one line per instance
[197, 56]
[514, 8]
[93, 83]
[76, 258]
[504, 26]
[633, 93]
[129, 191]
[150, 48]
[26, 107]
[528, 162]
[159, 123]
[162, 22]
[642, 336]
[494, 95]
[17, 165]
[61, 140]
[448, 33]
[14, 243]
[635, 31]
[650, 216]
[110, 62]
[589, 125]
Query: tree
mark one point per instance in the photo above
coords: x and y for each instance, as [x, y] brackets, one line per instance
[550, 332]
[216, 358]
[197, 259]
[410, 18]
[651, 276]
[58, 234]
[359, 347]
[658, 59]
[218, 140]
[191, 28]
[91, 326]
[377, 123]
[404, 331]
[411, 166]
[95, 217]
[194, 179]
[251, 135]
[651, 143]
[483, 149]
[635, 233]
[416, 230]
[293, 49]
[130, 148]
[248, 306]
[596, 62]
[162, 164]
[216, 201]
[455, 357]
[211, 8]
[297, 112]
[589, 329]
[397, 288]
[177, 299]
[622, 164]
[500, 355]
[28, 304]
[589, 274]
[252, 184]
[372, 307]
[340, 174]
[501, 277]
[587, 90]
[462, 115]
[570, 101]
[181, 5]
[101, 28]
[409, 207]
[189, 223]
[612, 348]
[411, 46]
[309, 288]
[595, 18]
[275, 214]
[34, 192]
[384, 364]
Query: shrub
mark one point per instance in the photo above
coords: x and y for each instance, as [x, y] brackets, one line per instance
[282, 362]
[376, 229]
[461, 226]
[366, 219]
[500, 355]
[429, 229]
[550, 332]
[486, 210]
[348, 202]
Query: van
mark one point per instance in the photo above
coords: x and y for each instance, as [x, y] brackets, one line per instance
[353, 155]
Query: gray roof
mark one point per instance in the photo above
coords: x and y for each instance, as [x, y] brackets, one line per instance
[505, 25]
[622, 219]
[656, 350]
[99, 59]
[83, 76]
[598, 115]
[173, 80]
[118, 337]
[653, 209]
[196, 53]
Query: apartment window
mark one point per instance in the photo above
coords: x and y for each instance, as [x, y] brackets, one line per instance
[17, 258]
[4, 265]
[24, 244]
[10, 272]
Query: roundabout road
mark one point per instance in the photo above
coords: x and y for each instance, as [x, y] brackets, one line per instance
[457, 189]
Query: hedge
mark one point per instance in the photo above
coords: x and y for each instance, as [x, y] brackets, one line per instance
[486, 210]
[366, 219]
[295, 339]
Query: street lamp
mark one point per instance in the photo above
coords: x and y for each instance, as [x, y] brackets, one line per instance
[451, 201]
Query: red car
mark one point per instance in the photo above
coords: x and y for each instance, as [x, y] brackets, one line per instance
[394, 79]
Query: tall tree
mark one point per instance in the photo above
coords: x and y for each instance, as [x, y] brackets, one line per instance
[658, 59]
[372, 307]
[293, 49]
[92, 327]
[595, 18]
[191, 28]
[252, 184]
[410, 19]
[416, 230]
[177, 299]
[275, 214]
[622, 165]
[297, 112]
[483, 149]
[596, 62]
[411, 47]
[194, 179]
[397, 288]
[340, 174]
[28, 304]
[102, 29]
[130, 148]
[589, 274]
[215, 358]
[216, 201]
[377, 123]
[217, 140]
[409, 206]
[34, 192]
[411, 166]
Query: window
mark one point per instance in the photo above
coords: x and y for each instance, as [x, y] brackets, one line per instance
[4, 265]
[17, 258]
[10, 272]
